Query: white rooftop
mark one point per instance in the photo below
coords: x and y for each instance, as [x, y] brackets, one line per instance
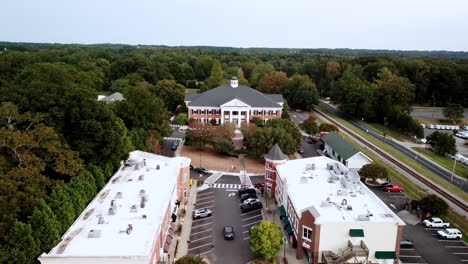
[332, 192]
[139, 179]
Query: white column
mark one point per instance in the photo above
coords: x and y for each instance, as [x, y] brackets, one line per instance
[222, 116]
[247, 116]
[239, 118]
[230, 116]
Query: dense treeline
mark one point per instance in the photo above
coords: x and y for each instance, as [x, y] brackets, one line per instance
[59, 145]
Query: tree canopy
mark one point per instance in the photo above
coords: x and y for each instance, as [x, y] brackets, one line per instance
[266, 239]
[442, 143]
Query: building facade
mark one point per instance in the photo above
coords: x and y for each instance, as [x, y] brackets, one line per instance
[233, 103]
[132, 219]
[274, 158]
[330, 216]
[338, 148]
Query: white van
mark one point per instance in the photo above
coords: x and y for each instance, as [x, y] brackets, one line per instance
[437, 126]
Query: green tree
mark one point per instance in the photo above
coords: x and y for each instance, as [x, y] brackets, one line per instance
[302, 92]
[248, 130]
[203, 67]
[266, 239]
[20, 246]
[310, 126]
[202, 135]
[170, 92]
[285, 112]
[258, 72]
[273, 83]
[442, 143]
[257, 121]
[224, 146]
[374, 171]
[45, 227]
[61, 204]
[216, 77]
[224, 132]
[332, 71]
[182, 119]
[288, 126]
[433, 205]
[265, 138]
[454, 112]
[190, 260]
[327, 127]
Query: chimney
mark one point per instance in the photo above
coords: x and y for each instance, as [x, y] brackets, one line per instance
[234, 82]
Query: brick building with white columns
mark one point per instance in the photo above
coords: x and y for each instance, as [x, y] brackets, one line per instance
[233, 103]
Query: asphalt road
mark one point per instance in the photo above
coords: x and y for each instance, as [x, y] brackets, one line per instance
[207, 234]
[444, 174]
[428, 247]
[167, 142]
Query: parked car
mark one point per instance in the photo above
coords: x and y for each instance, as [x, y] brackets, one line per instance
[431, 126]
[246, 189]
[175, 145]
[450, 233]
[393, 188]
[435, 222]
[201, 170]
[300, 150]
[250, 200]
[228, 232]
[200, 213]
[406, 243]
[251, 206]
[191, 167]
[246, 196]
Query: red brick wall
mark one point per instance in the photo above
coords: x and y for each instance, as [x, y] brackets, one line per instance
[183, 185]
[397, 245]
[308, 220]
[160, 238]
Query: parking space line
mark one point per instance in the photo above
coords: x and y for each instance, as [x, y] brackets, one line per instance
[202, 207]
[207, 252]
[406, 248]
[198, 239]
[249, 213]
[251, 217]
[202, 225]
[200, 246]
[200, 194]
[196, 220]
[431, 228]
[204, 198]
[456, 246]
[231, 190]
[201, 231]
[409, 256]
[464, 260]
[204, 202]
[253, 223]
[245, 231]
[460, 253]
[246, 238]
[448, 241]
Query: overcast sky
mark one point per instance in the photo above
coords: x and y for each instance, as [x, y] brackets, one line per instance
[363, 24]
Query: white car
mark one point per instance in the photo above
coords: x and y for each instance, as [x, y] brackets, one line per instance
[450, 233]
[437, 126]
[431, 126]
[199, 213]
[435, 222]
[250, 200]
[443, 127]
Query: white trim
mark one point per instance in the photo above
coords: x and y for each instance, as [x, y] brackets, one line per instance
[362, 155]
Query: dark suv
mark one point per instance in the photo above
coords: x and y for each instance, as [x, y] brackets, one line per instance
[244, 190]
[201, 170]
[251, 206]
[246, 196]
[228, 232]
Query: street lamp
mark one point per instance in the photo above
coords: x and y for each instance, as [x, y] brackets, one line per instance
[284, 247]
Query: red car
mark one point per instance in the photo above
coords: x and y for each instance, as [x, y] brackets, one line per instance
[393, 188]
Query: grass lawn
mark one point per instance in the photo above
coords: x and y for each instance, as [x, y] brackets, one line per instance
[400, 156]
[460, 169]
[192, 90]
[390, 132]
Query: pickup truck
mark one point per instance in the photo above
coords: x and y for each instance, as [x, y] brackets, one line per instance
[435, 222]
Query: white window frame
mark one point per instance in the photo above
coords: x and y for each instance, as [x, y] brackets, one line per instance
[304, 229]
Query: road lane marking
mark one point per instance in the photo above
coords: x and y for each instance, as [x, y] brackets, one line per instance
[200, 246]
[201, 231]
[198, 239]
[251, 217]
[253, 223]
[202, 225]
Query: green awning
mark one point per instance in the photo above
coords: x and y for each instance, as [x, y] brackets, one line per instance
[385, 255]
[282, 211]
[356, 233]
[289, 229]
[286, 220]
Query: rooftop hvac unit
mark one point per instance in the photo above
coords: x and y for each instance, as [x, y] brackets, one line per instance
[141, 177]
[133, 208]
[330, 166]
[310, 166]
[100, 220]
[349, 208]
[137, 166]
[144, 162]
[118, 195]
[129, 229]
[94, 233]
[112, 210]
[363, 218]
[142, 202]
[157, 167]
[142, 192]
[303, 179]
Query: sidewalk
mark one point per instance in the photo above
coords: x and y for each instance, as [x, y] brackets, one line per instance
[270, 212]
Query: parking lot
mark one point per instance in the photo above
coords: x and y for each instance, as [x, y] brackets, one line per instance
[206, 237]
[428, 248]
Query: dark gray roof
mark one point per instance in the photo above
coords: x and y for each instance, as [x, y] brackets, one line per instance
[276, 97]
[113, 97]
[225, 93]
[276, 154]
[191, 96]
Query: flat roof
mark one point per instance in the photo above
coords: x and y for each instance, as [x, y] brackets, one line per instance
[332, 192]
[145, 176]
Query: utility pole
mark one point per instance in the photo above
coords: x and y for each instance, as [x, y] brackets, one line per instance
[385, 123]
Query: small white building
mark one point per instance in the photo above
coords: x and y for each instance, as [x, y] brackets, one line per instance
[332, 217]
[111, 98]
[130, 220]
[340, 149]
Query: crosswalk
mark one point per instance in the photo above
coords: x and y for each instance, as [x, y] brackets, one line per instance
[173, 138]
[225, 186]
[214, 177]
[175, 126]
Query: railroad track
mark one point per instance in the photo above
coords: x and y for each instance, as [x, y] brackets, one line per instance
[449, 197]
